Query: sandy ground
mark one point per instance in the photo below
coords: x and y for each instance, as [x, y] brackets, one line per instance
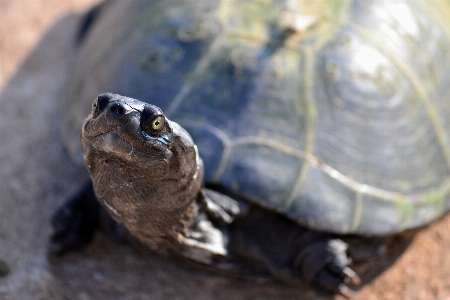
[36, 58]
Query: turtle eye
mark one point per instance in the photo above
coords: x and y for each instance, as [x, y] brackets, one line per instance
[94, 105]
[158, 123]
[153, 121]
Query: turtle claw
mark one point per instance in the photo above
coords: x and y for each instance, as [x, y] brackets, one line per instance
[324, 265]
[346, 273]
[352, 276]
[220, 207]
[345, 292]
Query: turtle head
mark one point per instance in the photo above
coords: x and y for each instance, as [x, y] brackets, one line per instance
[145, 168]
[139, 135]
[118, 126]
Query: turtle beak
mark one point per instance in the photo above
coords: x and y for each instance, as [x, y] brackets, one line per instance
[109, 112]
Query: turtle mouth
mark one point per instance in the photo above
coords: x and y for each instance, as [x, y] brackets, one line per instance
[110, 142]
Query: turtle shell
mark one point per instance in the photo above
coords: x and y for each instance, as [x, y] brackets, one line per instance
[334, 113]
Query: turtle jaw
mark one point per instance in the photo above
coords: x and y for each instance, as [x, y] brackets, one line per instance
[109, 143]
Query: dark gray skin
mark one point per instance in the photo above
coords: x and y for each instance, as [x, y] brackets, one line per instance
[147, 174]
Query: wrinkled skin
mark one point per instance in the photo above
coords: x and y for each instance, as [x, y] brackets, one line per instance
[147, 175]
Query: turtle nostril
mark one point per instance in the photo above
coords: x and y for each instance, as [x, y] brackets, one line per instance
[117, 109]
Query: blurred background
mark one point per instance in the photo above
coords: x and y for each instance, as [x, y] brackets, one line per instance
[37, 55]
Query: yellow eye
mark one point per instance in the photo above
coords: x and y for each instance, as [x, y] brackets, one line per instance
[94, 105]
[158, 123]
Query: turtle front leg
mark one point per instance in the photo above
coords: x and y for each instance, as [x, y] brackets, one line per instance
[292, 253]
[75, 222]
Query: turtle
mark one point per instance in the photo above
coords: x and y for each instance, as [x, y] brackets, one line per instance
[269, 137]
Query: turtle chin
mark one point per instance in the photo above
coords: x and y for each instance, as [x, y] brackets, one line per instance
[110, 143]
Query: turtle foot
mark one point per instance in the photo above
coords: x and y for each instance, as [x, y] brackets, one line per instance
[325, 266]
[75, 222]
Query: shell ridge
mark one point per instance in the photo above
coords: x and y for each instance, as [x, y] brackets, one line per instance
[420, 89]
[189, 83]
